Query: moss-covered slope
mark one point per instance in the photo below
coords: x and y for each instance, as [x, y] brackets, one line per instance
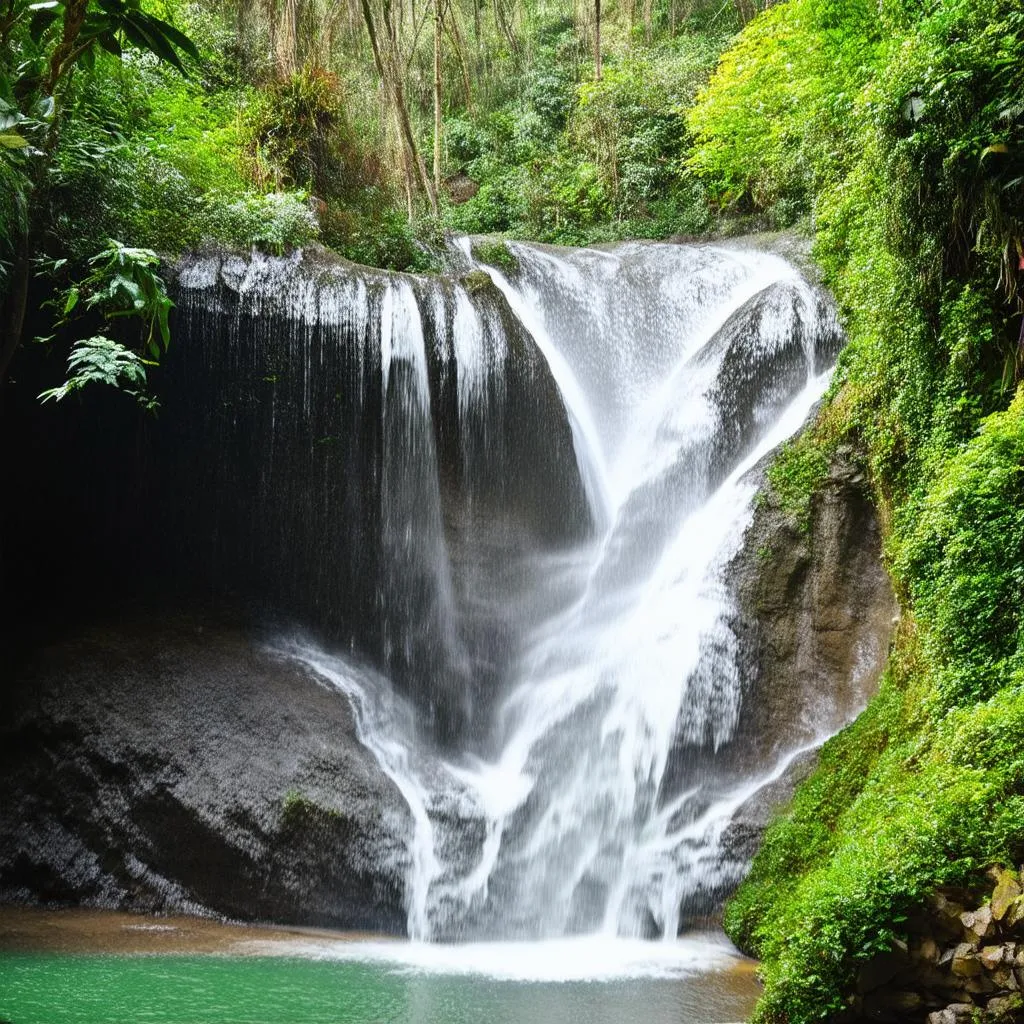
[897, 130]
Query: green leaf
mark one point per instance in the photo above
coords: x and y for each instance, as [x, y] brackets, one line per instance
[109, 43]
[12, 140]
[179, 39]
[71, 301]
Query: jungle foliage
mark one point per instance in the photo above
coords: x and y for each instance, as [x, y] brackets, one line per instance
[898, 130]
[170, 125]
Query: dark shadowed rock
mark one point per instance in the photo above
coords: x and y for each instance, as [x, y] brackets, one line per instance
[816, 614]
[176, 765]
[744, 833]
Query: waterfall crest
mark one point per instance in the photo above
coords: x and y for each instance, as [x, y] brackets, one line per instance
[509, 510]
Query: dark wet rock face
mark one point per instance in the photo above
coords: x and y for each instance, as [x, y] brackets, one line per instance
[817, 611]
[816, 615]
[178, 766]
[349, 441]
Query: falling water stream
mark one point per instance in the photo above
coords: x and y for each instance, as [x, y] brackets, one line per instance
[498, 512]
[560, 812]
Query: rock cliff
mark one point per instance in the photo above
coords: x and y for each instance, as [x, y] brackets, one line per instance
[179, 766]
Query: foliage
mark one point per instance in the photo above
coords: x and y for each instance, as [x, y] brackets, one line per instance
[274, 222]
[571, 160]
[123, 283]
[497, 254]
[769, 122]
[383, 238]
[899, 129]
[99, 360]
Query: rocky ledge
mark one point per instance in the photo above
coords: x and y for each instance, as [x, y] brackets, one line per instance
[175, 765]
[962, 963]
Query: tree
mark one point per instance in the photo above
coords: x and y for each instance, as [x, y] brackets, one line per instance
[48, 40]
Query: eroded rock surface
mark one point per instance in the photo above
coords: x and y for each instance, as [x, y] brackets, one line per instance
[816, 615]
[180, 766]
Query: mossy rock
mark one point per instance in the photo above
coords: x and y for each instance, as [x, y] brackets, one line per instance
[476, 282]
[300, 813]
[497, 254]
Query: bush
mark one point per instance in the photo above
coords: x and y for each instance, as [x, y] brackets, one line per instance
[273, 222]
[890, 127]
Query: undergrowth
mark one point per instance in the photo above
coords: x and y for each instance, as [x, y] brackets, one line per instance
[900, 130]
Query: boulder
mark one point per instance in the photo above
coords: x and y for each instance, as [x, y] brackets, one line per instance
[955, 1013]
[965, 962]
[1005, 894]
[977, 924]
[945, 914]
[177, 765]
[1008, 1007]
[991, 957]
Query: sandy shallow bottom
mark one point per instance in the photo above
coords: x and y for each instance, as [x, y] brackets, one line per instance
[98, 967]
[82, 930]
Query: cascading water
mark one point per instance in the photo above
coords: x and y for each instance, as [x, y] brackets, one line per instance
[560, 476]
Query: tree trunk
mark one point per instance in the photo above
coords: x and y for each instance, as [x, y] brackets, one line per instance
[452, 25]
[438, 29]
[390, 74]
[12, 310]
[597, 40]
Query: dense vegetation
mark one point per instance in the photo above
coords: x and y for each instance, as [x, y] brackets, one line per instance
[167, 125]
[893, 130]
[900, 129]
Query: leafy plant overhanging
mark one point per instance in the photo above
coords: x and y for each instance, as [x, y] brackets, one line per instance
[61, 36]
[899, 128]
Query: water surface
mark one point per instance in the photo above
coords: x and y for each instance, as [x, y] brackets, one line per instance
[65, 973]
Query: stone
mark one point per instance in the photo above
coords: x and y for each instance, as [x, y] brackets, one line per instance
[1005, 978]
[1006, 892]
[980, 986]
[167, 799]
[946, 915]
[1003, 1006]
[817, 608]
[991, 957]
[963, 1011]
[965, 963]
[1014, 913]
[926, 950]
[955, 1013]
[977, 923]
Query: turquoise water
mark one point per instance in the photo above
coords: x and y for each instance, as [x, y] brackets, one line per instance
[55, 988]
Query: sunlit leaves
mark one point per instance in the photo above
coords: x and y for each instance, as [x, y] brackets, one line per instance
[100, 360]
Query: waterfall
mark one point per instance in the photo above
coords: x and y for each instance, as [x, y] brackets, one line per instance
[513, 551]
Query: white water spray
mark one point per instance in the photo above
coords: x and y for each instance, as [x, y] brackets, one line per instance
[596, 802]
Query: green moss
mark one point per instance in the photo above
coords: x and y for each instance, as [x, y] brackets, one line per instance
[476, 281]
[497, 254]
[299, 812]
[802, 465]
[912, 230]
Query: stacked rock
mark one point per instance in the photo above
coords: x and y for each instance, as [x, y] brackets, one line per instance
[959, 965]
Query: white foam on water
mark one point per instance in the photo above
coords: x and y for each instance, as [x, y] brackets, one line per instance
[584, 959]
